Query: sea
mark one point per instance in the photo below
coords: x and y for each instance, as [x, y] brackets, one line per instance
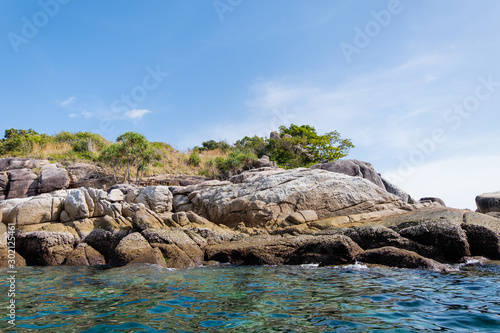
[307, 298]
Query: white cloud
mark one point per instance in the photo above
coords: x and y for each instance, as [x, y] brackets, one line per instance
[136, 114]
[68, 102]
[456, 180]
[430, 78]
[86, 114]
[73, 115]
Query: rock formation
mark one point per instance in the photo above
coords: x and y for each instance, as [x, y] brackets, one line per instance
[268, 216]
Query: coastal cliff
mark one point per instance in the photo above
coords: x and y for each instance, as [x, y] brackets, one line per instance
[329, 214]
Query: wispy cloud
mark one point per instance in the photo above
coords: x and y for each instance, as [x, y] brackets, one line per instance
[68, 102]
[136, 114]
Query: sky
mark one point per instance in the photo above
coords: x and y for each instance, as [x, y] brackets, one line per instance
[414, 84]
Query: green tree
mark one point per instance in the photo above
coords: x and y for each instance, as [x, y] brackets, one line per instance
[19, 142]
[135, 148]
[113, 156]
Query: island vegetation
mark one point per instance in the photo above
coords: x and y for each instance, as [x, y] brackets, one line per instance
[132, 156]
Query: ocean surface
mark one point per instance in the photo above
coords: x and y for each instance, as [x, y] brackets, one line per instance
[351, 298]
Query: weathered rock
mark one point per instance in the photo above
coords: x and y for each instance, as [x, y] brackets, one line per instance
[144, 219]
[275, 250]
[133, 248]
[6, 255]
[175, 257]
[488, 202]
[181, 240]
[104, 241]
[115, 195]
[87, 175]
[274, 135]
[394, 257]
[483, 241]
[267, 195]
[13, 163]
[352, 168]
[3, 184]
[84, 255]
[52, 179]
[22, 183]
[393, 189]
[32, 210]
[151, 256]
[76, 204]
[432, 199]
[444, 235]
[157, 198]
[335, 250]
[44, 248]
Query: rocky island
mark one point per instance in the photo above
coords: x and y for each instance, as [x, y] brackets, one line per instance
[329, 214]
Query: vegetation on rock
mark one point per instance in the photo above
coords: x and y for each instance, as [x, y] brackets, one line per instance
[132, 155]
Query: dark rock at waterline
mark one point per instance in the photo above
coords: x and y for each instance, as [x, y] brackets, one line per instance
[104, 241]
[483, 241]
[134, 248]
[444, 235]
[43, 248]
[488, 202]
[372, 237]
[84, 255]
[394, 257]
[276, 250]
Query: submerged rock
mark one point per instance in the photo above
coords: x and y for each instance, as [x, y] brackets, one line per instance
[394, 257]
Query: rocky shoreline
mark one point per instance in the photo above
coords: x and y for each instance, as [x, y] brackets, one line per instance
[330, 214]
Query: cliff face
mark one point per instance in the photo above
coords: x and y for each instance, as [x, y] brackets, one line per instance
[269, 216]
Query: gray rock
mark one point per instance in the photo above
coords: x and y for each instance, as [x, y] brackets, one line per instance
[274, 194]
[274, 135]
[394, 257]
[275, 250]
[22, 183]
[53, 179]
[444, 235]
[488, 202]
[483, 241]
[115, 195]
[353, 168]
[393, 189]
[42, 248]
[432, 199]
[134, 248]
[84, 255]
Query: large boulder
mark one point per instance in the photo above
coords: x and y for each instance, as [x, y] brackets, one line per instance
[488, 202]
[157, 198]
[260, 197]
[444, 235]
[483, 241]
[276, 250]
[52, 179]
[39, 209]
[43, 248]
[353, 168]
[394, 257]
[134, 248]
[84, 255]
[87, 175]
[22, 183]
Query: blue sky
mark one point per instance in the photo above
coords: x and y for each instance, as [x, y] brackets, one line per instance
[414, 84]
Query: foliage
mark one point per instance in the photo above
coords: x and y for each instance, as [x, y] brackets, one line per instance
[301, 146]
[194, 159]
[84, 144]
[18, 142]
[213, 145]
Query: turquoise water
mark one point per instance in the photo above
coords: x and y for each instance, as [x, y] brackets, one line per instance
[255, 299]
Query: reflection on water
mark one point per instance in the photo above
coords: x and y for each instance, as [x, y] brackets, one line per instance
[255, 299]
